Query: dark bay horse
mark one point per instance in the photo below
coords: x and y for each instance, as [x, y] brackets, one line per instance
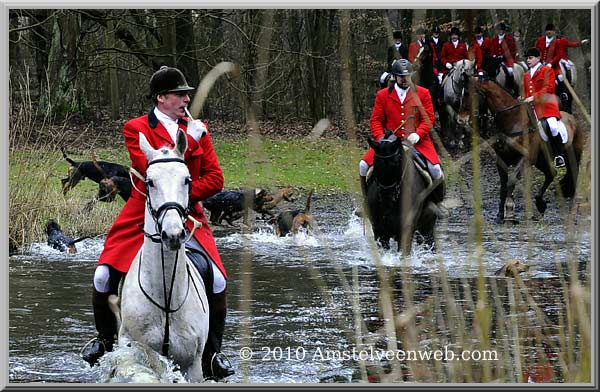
[519, 142]
[398, 198]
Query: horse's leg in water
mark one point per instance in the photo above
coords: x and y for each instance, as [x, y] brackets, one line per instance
[384, 242]
[549, 173]
[194, 372]
[568, 182]
[509, 204]
[502, 172]
[426, 226]
[451, 126]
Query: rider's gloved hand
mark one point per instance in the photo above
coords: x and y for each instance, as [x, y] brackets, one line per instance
[413, 138]
[549, 65]
[584, 41]
[196, 129]
[440, 77]
[448, 65]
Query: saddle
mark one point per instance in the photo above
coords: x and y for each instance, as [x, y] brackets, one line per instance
[418, 160]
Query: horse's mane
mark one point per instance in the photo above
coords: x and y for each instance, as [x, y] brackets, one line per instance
[505, 89]
[501, 87]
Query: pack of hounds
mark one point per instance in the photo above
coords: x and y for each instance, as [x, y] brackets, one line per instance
[229, 205]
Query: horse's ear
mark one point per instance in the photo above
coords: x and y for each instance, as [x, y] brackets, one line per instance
[181, 145]
[146, 147]
[372, 143]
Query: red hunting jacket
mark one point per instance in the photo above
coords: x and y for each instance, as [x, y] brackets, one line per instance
[541, 87]
[506, 49]
[125, 237]
[451, 55]
[551, 54]
[486, 46]
[414, 115]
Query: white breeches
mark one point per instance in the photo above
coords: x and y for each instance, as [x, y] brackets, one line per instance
[434, 170]
[101, 278]
[363, 168]
[556, 127]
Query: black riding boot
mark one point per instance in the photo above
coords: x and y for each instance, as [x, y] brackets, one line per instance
[106, 324]
[438, 193]
[214, 364]
[558, 149]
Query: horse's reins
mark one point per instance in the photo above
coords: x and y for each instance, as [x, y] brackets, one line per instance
[511, 107]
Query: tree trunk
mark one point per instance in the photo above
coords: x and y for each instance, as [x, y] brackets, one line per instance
[185, 44]
[263, 55]
[345, 76]
[318, 24]
[112, 73]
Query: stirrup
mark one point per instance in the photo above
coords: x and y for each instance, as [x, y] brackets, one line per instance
[224, 371]
[93, 359]
[559, 161]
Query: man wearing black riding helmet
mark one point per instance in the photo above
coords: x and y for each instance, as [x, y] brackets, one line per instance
[407, 110]
[169, 93]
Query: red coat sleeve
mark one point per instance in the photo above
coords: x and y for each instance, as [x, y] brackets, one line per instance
[562, 45]
[132, 141]
[434, 58]
[378, 118]
[211, 178]
[426, 113]
[478, 57]
[570, 44]
[413, 49]
[486, 46]
[540, 44]
[444, 53]
[512, 46]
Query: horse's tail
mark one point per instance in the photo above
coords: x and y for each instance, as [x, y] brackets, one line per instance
[308, 199]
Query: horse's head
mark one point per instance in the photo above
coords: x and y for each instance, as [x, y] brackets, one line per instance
[470, 102]
[168, 185]
[465, 67]
[387, 163]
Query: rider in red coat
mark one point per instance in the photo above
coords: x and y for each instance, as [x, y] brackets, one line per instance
[538, 85]
[484, 44]
[407, 111]
[453, 51]
[504, 48]
[169, 90]
[554, 52]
